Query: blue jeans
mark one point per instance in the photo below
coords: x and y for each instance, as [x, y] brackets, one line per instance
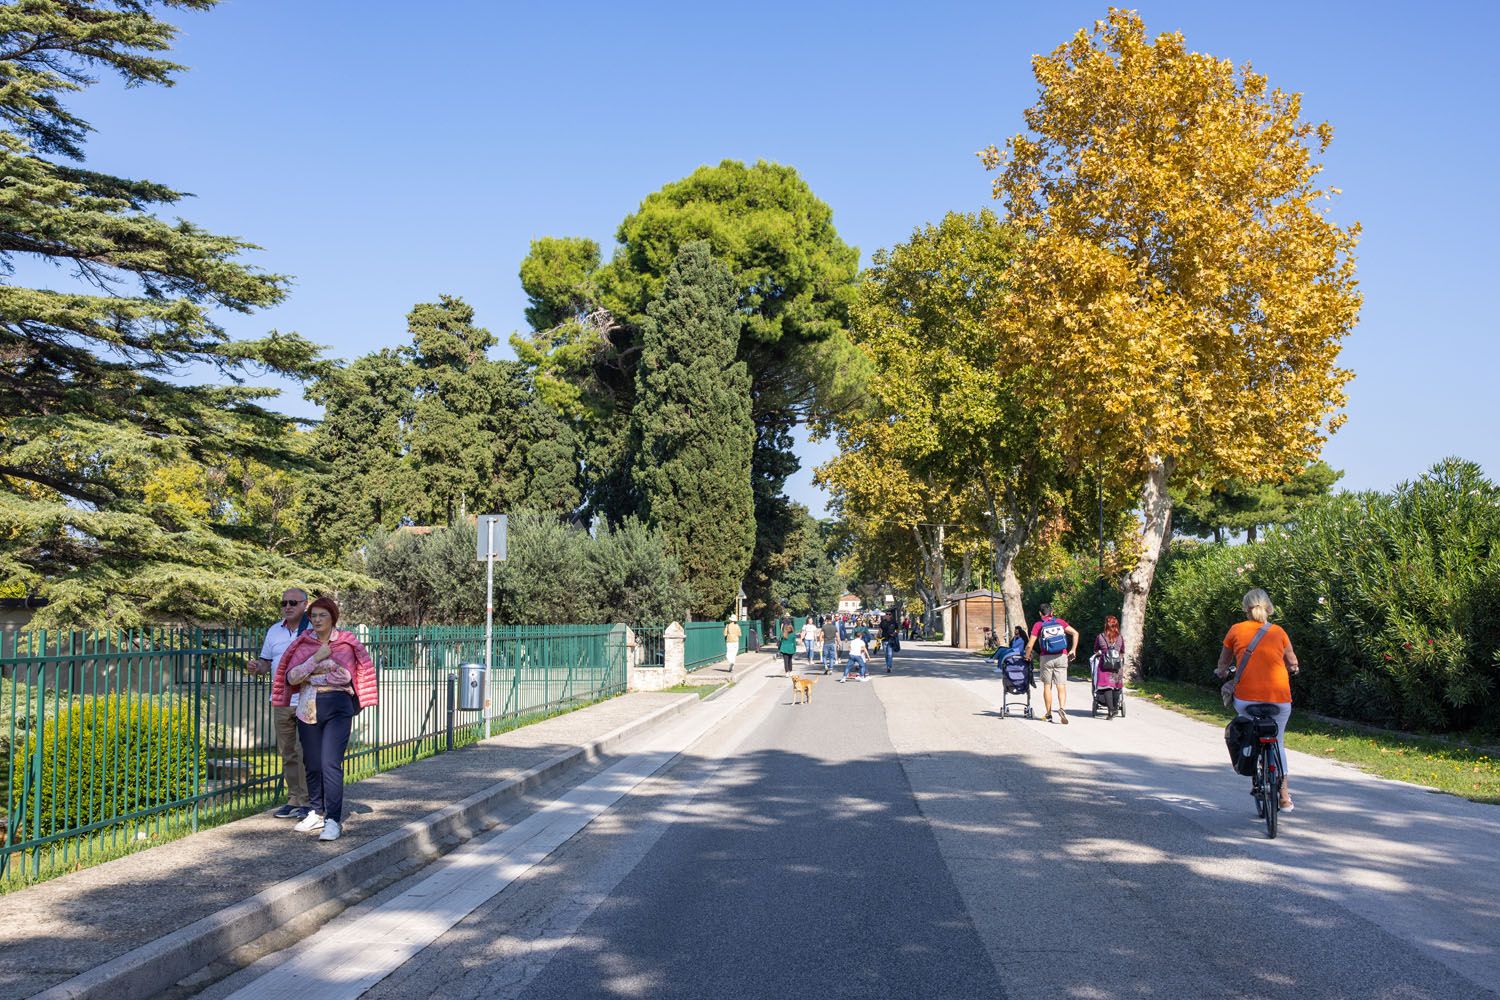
[323, 745]
[890, 654]
[859, 661]
[830, 655]
[809, 644]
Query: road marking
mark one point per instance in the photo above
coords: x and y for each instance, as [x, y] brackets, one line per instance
[346, 961]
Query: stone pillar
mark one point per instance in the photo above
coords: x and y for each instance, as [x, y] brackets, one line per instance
[655, 678]
[675, 658]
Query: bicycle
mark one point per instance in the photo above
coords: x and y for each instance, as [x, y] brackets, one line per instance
[1266, 783]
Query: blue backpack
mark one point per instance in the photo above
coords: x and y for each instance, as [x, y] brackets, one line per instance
[1054, 637]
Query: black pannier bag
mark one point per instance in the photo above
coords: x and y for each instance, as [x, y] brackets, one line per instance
[1240, 737]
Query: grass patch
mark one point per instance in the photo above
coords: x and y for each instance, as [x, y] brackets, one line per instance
[1471, 772]
[701, 690]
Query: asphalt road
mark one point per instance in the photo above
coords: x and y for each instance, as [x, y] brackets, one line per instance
[897, 839]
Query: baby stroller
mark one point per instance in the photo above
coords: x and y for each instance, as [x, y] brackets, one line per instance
[1016, 680]
[1101, 679]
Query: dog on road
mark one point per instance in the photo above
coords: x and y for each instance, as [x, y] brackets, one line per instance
[802, 688]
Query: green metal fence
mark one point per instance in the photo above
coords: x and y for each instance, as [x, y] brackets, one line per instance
[111, 738]
[704, 644]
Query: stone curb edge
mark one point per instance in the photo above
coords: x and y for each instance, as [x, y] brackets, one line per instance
[150, 968]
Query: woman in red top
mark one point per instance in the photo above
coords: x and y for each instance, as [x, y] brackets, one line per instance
[1266, 676]
[336, 678]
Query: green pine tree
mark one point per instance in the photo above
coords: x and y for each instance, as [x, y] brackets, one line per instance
[692, 421]
[93, 408]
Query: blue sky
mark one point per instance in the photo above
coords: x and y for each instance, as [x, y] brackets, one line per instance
[383, 153]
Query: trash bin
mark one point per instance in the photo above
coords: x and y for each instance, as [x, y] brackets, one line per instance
[471, 687]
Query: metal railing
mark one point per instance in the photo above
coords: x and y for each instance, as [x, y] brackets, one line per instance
[107, 739]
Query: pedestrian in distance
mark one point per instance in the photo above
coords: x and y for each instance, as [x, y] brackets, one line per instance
[830, 645]
[1058, 643]
[731, 643]
[812, 636]
[859, 655]
[332, 672]
[1265, 676]
[284, 717]
[1108, 663]
[890, 638]
[787, 647]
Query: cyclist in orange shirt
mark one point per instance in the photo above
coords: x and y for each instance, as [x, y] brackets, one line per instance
[1266, 676]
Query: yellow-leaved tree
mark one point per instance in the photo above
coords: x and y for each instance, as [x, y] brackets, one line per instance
[952, 410]
[1180, 267]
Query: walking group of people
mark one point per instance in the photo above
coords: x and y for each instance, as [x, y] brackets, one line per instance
[321, 678]
[824, 637]
[1256, 657]
[1052, 644]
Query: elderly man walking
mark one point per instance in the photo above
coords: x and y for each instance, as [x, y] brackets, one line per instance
[278, 637]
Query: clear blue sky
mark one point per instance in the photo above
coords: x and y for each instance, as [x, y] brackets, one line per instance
[383, 153]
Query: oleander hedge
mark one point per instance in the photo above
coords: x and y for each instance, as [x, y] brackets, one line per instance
[1392, 600]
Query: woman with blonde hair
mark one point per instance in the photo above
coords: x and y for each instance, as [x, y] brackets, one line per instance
[1261, 654]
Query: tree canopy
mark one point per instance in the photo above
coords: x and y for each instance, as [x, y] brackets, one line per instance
[96, 415]
[794, 281]
[1180, 257]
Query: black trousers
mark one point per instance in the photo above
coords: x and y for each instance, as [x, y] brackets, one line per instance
[786, 661]
[1110, 699]
[323, 745]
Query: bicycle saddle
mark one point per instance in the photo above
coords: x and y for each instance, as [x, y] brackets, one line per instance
[1260, 710]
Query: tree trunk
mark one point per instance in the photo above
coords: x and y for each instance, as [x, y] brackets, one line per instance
[1007, 548]
[1156, 511]
[1250, 533]
[965, 574]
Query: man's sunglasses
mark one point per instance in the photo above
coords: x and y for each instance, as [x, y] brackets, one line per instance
[290, 604]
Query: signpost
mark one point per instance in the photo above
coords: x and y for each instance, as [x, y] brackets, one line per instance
[490, 545]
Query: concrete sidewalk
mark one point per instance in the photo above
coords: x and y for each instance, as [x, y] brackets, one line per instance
[133, 926]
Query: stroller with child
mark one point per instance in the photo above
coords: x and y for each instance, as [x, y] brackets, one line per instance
[1016, 682]
[1106, 679]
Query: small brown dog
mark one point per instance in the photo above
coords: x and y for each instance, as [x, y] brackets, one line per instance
[802, 688]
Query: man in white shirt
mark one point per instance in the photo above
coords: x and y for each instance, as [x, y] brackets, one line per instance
[278, 637]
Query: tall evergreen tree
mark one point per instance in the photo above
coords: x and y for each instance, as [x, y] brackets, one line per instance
[436, 430]
[692, 420]
[91, 401]
[794, 279]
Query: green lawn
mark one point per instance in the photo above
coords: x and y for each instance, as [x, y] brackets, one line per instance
[1472, 772]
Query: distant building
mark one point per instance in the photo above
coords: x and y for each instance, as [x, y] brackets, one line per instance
[849, 604]
[967, 616]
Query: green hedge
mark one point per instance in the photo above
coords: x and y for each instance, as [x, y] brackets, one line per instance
[106, 757]
[1392, 601]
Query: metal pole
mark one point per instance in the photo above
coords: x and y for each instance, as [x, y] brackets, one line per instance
[489, 618]
[452, 697]
[1100, 486]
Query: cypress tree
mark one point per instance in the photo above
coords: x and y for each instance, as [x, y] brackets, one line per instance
[694, 430]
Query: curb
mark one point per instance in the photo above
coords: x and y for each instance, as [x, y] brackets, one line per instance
[153, 967]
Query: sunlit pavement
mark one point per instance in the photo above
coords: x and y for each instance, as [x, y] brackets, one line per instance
[897, 838]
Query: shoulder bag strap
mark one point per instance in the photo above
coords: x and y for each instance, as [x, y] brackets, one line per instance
[1239, 671]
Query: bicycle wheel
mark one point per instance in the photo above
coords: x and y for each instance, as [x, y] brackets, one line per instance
[1269, 753]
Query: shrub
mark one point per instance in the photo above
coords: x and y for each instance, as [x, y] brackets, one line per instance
[1392, 601]
[106, 757]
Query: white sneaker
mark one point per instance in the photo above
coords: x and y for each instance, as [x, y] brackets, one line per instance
[312, 821]
[331, 830]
